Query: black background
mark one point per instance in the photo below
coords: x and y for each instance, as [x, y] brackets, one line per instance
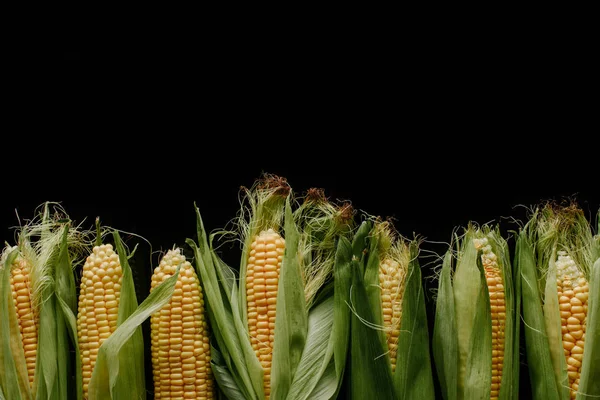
[433, 139]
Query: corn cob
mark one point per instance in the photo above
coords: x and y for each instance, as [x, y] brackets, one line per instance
[558, 249]
[475, 322]
[100, 291]
[573, 292]
[391, 280]
[262, 278]
[393, 265]
[180, 342]
[495, 285]
[26, 311]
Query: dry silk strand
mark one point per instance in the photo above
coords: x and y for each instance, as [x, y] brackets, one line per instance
[573, 292]
[180, 342]
[262, 278]
[100, 291]
[391, 281]
[27, 313]
[495, 286]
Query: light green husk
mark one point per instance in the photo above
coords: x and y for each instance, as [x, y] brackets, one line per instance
[304, 351]
[369, 373]
[48, 243]
[462, 342]
[119, 369]
[551, 229]
[320, 224]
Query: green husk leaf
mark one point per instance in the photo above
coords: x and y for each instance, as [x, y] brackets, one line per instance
[315, 358]
[516, 321]
[46, 362]
[64, 283]
[222, 317]
[328, 383]
[71, 323]
[320, 223]
[223, 376]
[226, 290]
[66, 300]
[589, 386]
[413, 376]
[324, 293]
[509, 389]
[291, 323]
[371, 283]
[360, 243]
[369, 375]
[105, 374]
[253, 368]
[47, 385]
[445, 337]
[12, 380]
[541, 371]
[466, 288]
[131, 380]
[478, 377]
[226, 320]
[554, 329]
[224, 272]
[340, 338]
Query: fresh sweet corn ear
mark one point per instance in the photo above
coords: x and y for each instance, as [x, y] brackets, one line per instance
[99, 296]
[573, 293]
[476, 342]
[495, 284]
[180, 341]
[391, 280]
[262, 279]
[557, 249]
[394, 257]
[26, 311]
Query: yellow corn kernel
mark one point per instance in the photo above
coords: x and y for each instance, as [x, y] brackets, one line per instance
[575, 291]
[26, 311]
[179, 335]
[495, 284]
[391, 281]
[262, 275]
[98, 305]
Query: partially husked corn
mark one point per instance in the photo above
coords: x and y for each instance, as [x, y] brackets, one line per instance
[495, 286]
[99, 296]
[262, 279]
[573, 293]
[26, 311]
[391, 281]
[180, 342]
